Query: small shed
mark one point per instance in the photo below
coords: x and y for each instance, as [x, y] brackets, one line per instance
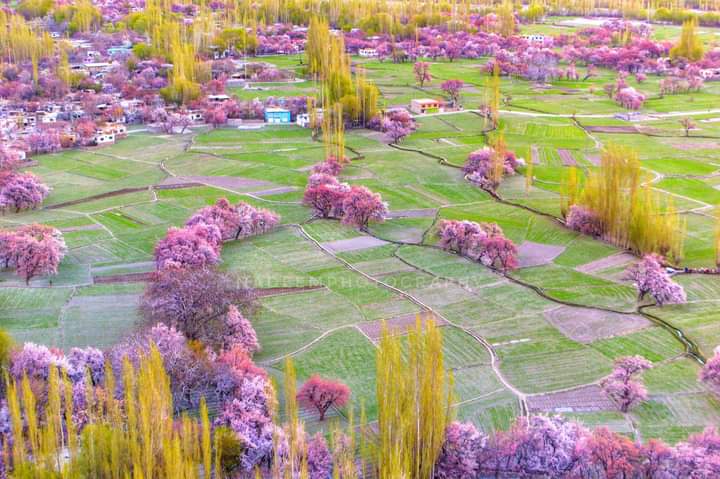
[425, 105]
[278, 115]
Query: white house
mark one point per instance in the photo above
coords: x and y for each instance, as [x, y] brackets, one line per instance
[535, 38]
[710, 74]
[303, 119]
[368, 52]
[103, 138]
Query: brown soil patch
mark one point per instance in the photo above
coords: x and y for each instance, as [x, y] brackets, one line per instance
[124, 278]
[612, 261]
[398, 325]
[100, 196]
[231, 182]
[275, 191]
[612, 129]
[534, 155]
[566, 157]
[536, 254]
[588, 325]
[583, 399]
[419, 213]
[695, 145]
[353, 244]
[70, 229]
[594, 159]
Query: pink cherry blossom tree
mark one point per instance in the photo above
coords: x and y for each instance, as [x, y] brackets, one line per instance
[623, 386]
[196, 302]
[321, 394]
[710, 373]
[331, 166]
[326, 198]
[453, 88]
[239, 331]
[196, 246]
[421, 70]
[361, 206]
[21, 191]
[460, 453]
[650, 277]
[580, 218]
[34, 250]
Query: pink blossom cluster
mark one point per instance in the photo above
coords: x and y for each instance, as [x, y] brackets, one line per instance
[553, 446]
[32, 250]
[623, 386]
[235, 221]
[354, 205]
[650, 277]
[199, 242]
[710, 373]
[582, 219]
[479, 162]
[396, 125]
[321, 394]
[331, 166]
[630, 98]
[482, 242]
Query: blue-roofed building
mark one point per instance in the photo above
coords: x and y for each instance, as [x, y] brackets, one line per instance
[278, 116]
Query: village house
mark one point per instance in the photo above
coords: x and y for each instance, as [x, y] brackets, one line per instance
[303, 119]
[710, 74]
[426, 105]
[368, 52]
[278, 116]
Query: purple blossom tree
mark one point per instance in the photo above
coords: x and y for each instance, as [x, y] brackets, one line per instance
[240, 332]
[196, 246]
[21, 191]
[710, 373]
[460, 453]
[361, 206]
[580, 218]
[650, 277]
[622, 385]
[453, 88]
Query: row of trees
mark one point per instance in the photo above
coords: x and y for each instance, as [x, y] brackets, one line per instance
[355, 205]
[32, 250]
[487, 166]
[18, 191]
[110, 424]
[199, 242]
[482, 242]
[615, 204]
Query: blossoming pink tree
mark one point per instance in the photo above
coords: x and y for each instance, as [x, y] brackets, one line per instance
[453, 88]
[650, 277]
[623, 386]
[422, 73]
[482, 242]
[239, 331]
[196, 246]
[580, 218]
[321, 394]
[33, 250]
[361, 206]
[710, 373]
[21, 191]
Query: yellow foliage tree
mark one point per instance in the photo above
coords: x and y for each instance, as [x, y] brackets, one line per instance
[414, 395]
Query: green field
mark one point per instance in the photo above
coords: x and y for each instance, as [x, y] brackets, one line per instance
[111, 212]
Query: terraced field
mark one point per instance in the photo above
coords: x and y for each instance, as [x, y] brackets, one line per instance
[537, 339]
